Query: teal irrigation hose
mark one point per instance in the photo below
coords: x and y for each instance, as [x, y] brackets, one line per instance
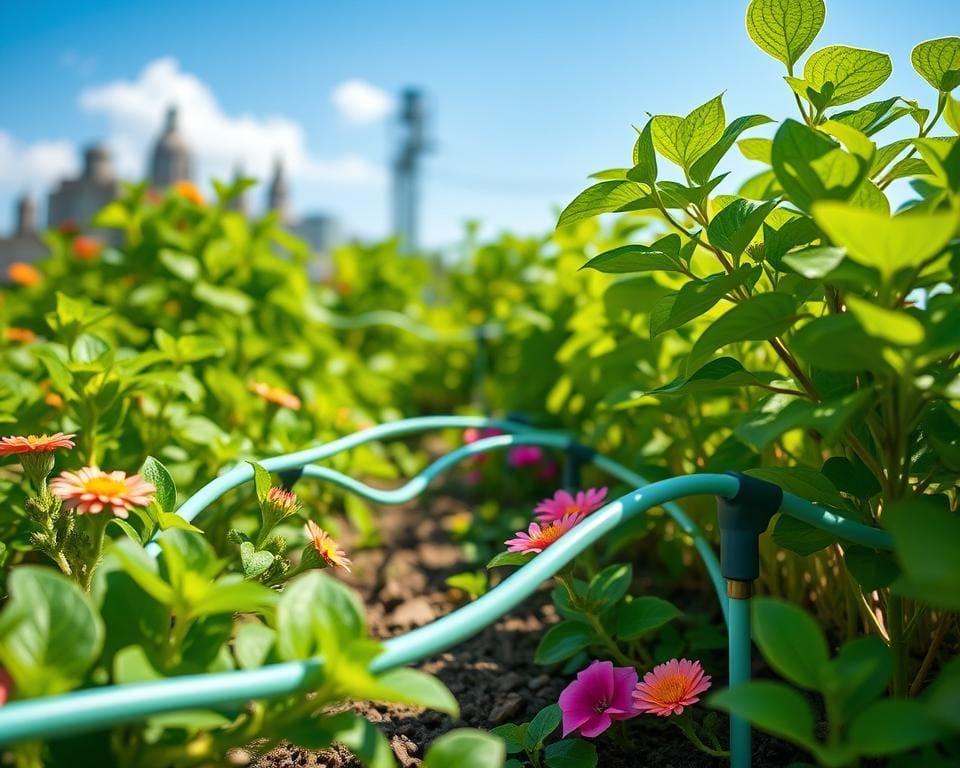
[99, 708]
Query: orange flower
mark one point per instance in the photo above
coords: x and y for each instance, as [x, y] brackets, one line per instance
[22, 273]
[53, 400]
[87, 248]
[326, 547]
[670, 687]
[24, 335]
[90, 490]
[188, 191]
[35, 443]
[276, 395]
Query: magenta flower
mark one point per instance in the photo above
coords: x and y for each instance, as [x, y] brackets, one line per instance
[563, 503]
[537, 538]
[600, 694]
[671, 686]
[472, 434]
[524, 456]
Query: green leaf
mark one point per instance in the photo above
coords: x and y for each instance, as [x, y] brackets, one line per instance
[927, 545]
[255, 562]
[722, 373]
[943, 697]
[510, 558]
[512, 735]
[811, 166]
[142, 568]
[938, 62]
[890, 325]
[853, 72]
[261, 480]
[838, 343]
[736, 225]
[760, 317]
[684, 140]
[696, 297]
[181, 265]
[800, 537]
[166, 494]
[850, 477]
[817, 262]
[781, 413]
[253, 644]
[543, 724]
[772, 707]
[570, 753]
[700, 171]
[606, 197]
[756, 149]
[318, 615]
[50, 633]
[791, 642]
[785, 28]
[363, 739]
[610, 585]
[644, 158]
[662, 255]
[892, 725]
[562, 641]
[873, 570]
[233, 597]
[168, 520]
[411, 686]
[858, 675]
[223, 297]
[805, 482]
[886, 244]
[642, 615]
[465, 748]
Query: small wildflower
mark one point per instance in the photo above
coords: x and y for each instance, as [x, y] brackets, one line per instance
[524, 456]
[283, 503]
[599, 695]
[53, 400]
[86, 248]
[90, 490]
[537, 538]
[188, 191]
[275, 395]
[326, 547]
[21, 335]
[6, 686]
[35, 443]
[563, 503]
[24, 274]
[671, 686]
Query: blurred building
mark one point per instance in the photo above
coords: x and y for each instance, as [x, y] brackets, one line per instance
[75, 201]
[412, 143]
[24, 243]
[170, 161]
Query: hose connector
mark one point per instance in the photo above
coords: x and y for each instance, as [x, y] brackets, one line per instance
[742, 519]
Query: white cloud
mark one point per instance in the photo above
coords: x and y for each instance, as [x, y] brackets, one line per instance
[358, 101]
[134, 110]
[34, 167]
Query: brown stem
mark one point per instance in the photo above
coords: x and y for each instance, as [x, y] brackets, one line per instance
[928, 660]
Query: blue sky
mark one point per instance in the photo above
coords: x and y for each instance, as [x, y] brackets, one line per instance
[528, 97]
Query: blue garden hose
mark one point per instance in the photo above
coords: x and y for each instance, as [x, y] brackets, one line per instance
[101, 708]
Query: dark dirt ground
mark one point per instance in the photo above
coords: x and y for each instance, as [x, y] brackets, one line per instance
[492, 675]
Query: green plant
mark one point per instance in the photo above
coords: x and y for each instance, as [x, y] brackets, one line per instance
[528, 741]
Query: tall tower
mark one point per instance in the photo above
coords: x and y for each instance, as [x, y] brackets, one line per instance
[171, 157]
[411, 144]
[26, 216]
[278, 195]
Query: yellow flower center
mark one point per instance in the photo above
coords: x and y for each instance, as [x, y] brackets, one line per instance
[105, 486]
[549, 534]
[670, 689]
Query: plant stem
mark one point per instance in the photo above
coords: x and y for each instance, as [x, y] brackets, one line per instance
[895, 627]
[686, 726]
[928, 660]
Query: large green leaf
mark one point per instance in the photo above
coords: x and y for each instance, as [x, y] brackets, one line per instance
[642, 615]
[50, 633]
[782, 413]
[811, 166]
[772, 707]
[791, 641]
[760, 317]
[644, 158]
[938, 62]
[166, 494]
[318, 615]
[785, 28]
[663, 255]
[735, 226]
[891, 325]
[858, 674]
[606, 197]
[409, 686]
[838, 343]
[700, 171]
[892, 725]
[570, 753]
[562, 641]
[907, 240]
[684, 140]
[543, 724]
[722, 373]
[853, 72]
[465, 749]
[927, 544]
[800, 537]
[696, 297]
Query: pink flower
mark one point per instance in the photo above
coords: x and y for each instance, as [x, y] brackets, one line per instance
[35, 443]
[671, 686]
[91, 489]
[6, 686]
[538, 538]
[472, 434]
[599, 695]
[563, 503]
[524, 456]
